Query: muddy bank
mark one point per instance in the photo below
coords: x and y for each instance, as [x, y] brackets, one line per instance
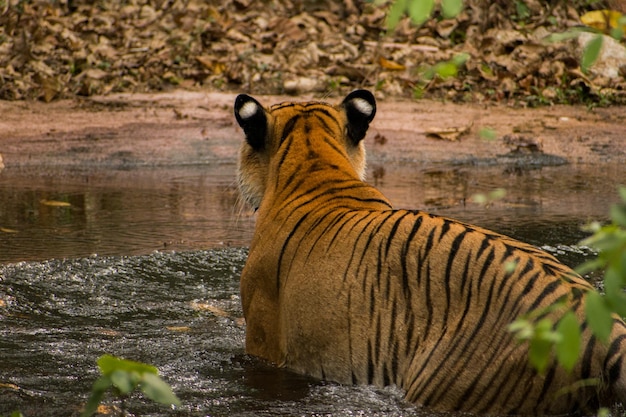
[130, 174]
[184, 128]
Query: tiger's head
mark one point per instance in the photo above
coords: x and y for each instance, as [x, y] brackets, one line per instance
[266, 129]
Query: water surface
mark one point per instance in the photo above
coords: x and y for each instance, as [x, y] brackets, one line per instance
[145, 264]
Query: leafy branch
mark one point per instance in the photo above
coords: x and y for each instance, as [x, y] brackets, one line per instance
[122, 377]
[542, 334]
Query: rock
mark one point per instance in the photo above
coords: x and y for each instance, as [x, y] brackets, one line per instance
[302, 85]
[612, 56]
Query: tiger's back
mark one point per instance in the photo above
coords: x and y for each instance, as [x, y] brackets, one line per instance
[338, 285]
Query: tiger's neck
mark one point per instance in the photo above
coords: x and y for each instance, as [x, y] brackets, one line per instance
[304, 176]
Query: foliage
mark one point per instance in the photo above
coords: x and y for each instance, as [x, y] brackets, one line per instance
[421, 10]
[610, 241]
[124, 376]
[541, 333]
[599, 22]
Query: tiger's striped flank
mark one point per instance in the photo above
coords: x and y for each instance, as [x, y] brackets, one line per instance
[339, 285]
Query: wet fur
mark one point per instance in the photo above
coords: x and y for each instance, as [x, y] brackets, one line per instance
[339, 285]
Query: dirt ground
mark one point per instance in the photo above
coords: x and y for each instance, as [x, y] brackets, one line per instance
[182, 127]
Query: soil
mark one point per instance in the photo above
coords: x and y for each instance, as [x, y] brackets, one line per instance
[182, 127]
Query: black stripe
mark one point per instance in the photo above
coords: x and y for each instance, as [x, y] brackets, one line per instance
[393, 231]
[547, 384]
[547, 290]
[341, 217]
[410, 348]
[413, 393]
[486, 242]
[486, 264]
[445, 228]
[370, 364]
[454, 248]
[284, 249]
[429, 303]
[289, 126]
[426, 248]
[585, 371]
[404, 257]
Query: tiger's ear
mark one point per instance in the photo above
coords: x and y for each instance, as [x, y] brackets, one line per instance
[360, 107]
[251, 116]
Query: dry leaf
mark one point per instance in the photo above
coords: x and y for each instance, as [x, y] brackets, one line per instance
[109, 332]
[390, 65]
[181, 329]
[210, 308]
[7, 230]
[450, 133]
[55, 203]
[603, 20]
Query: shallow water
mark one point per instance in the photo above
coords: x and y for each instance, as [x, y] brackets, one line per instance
[180, 310]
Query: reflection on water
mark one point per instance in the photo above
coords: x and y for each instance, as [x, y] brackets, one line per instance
[63, 214]
[180, 310]
[118, 212]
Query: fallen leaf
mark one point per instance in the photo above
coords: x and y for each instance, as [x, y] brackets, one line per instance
[55, 203]
[603, 20]
[7, 230]
[210, 308]
[181, 329]
[450, 133]
[390, 65]
[109, 332]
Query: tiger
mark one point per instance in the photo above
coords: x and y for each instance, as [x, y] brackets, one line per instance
[340, 286]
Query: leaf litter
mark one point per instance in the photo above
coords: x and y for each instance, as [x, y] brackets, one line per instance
[68, 48]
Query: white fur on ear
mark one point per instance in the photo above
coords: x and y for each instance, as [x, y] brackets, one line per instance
[363, 106]
[248, 110]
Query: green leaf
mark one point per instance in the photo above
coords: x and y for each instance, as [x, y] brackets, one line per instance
[591, 53]
[446, 69]
[563, 36]
[124, 381]
[523, 329]
[451, 8]
[618, 214]
[109, 363]
[622, 193]
[101, 385]
[158, 390]
[568, 349]
[613, 284]
[598, 316]
[617, 33]
[522, 11]
[487, 133]
[396, 11]
[420, 10]
[460, 59]
[591, 265]
[539, 353]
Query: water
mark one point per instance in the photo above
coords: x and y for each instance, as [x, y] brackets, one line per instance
[178, 311]
[163, 287]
